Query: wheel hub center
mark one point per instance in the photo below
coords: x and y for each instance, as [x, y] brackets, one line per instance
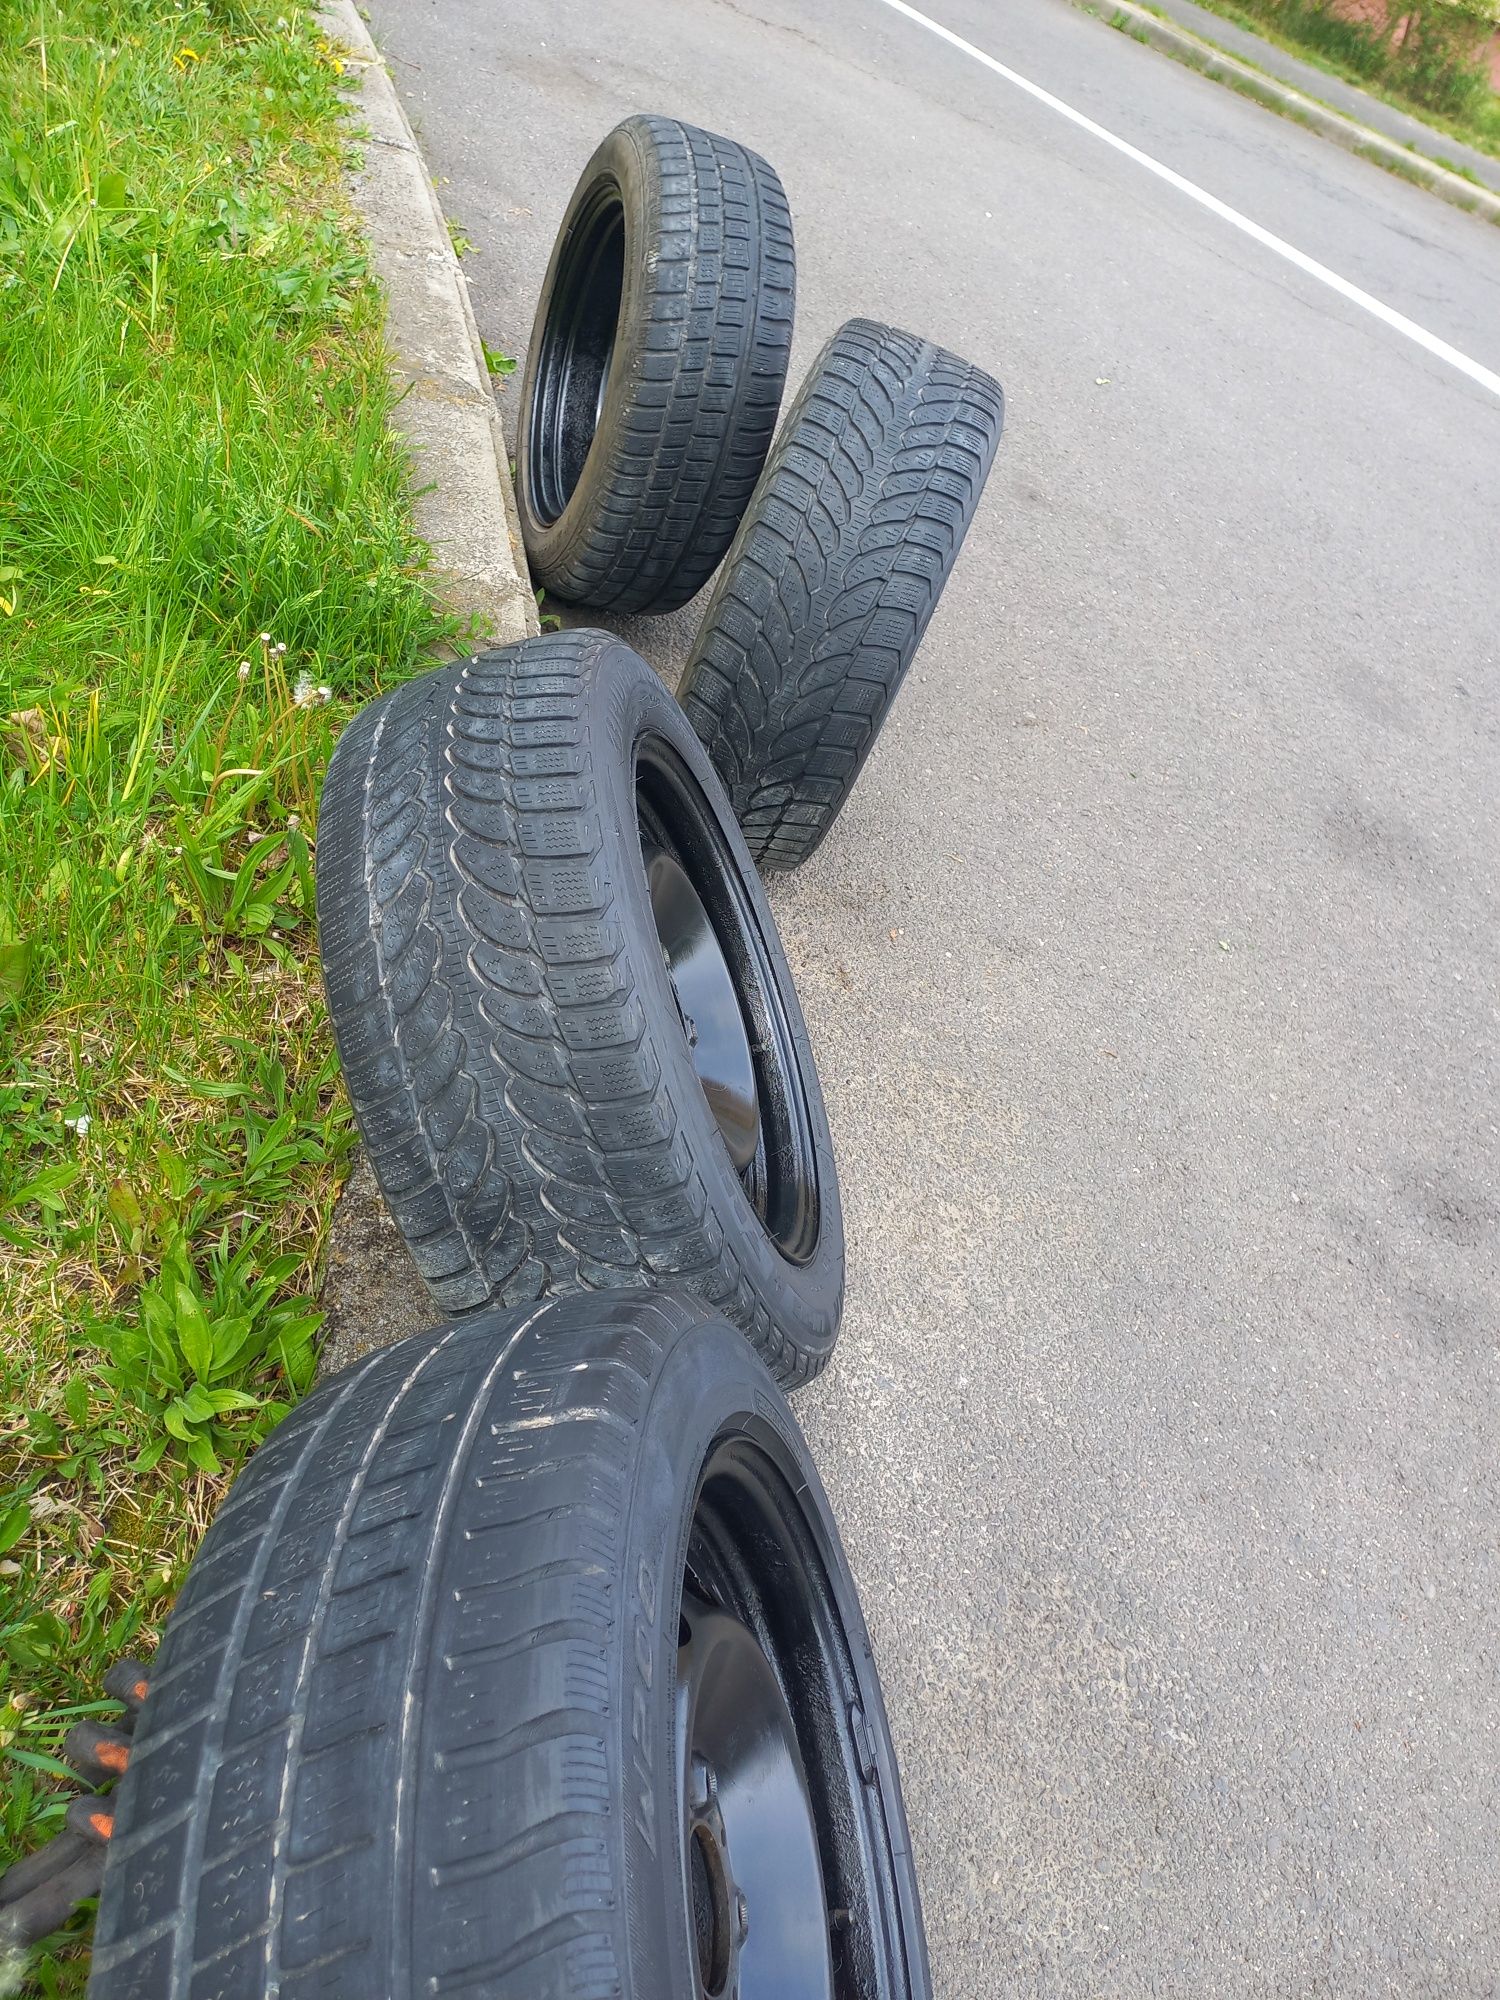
[721, 1915]
[749, 1843]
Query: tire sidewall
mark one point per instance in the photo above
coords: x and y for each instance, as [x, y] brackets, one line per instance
[627, 162]
[802, 1301]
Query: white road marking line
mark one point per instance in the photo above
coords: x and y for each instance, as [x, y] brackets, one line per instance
[1475, 370]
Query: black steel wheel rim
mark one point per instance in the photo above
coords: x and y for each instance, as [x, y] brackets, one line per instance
[788, 1867]
[575, 352]
[729, 1000]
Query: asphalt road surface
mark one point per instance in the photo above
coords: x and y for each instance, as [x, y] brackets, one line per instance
[1152, 976]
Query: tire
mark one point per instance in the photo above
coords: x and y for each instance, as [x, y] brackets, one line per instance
[513, 1030]
[833, 576]
[414, 1723]
[656, 367]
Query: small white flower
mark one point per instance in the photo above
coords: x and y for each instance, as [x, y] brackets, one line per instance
[244, 670]
[80, 1124]
[325, 694]
[305, 693]
[265, 638]
[280, 649]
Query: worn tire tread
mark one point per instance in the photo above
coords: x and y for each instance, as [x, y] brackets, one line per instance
[374, 1540]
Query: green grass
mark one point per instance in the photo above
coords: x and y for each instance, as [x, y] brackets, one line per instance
[205, 558]
[1434, 74]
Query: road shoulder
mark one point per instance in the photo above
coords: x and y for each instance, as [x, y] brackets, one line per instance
[1354, 135]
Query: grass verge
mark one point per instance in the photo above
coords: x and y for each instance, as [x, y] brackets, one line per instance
[205, 557]
[1438, 81]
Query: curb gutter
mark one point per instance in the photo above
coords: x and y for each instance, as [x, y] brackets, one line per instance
[372, 1293]
[448, 415]
[1144, 26]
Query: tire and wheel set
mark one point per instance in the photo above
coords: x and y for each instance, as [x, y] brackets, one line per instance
[523, 1659]
[562, 1008]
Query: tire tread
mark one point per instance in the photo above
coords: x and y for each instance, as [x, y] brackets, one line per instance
[834, 576]
[279, 1822]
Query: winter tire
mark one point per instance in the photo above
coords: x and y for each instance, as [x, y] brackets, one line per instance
[837, 567]
[656, 367]
[522, 1660]
[566, 1023]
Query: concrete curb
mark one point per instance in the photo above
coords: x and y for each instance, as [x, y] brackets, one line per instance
[448, 415]
[1213, 62]
[371, 1292]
